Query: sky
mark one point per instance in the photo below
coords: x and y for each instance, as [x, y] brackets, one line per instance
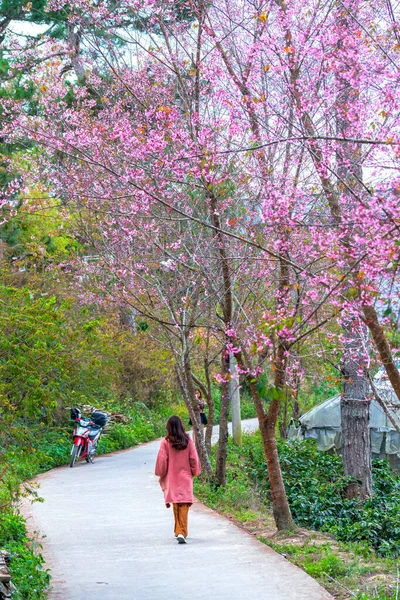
[19, 27]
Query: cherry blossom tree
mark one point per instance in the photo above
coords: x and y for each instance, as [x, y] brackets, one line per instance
[217, 168]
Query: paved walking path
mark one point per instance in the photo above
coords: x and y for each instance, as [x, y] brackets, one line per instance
[110, 537]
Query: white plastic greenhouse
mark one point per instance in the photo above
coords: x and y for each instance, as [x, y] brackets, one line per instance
[322, 423]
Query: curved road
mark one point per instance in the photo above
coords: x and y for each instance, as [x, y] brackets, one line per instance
[108, 536]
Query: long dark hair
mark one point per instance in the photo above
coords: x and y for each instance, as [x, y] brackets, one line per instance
[176, 433]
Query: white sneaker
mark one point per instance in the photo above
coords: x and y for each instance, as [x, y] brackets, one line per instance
[181, 539]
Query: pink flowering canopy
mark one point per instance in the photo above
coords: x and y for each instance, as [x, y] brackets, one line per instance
[273, 124]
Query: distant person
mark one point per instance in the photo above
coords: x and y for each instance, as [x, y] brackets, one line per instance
[201, 405]
[177, 463]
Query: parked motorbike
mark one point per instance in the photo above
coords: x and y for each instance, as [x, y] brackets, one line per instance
[86, 434]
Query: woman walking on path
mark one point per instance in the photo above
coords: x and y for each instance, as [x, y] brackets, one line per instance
[177, 463]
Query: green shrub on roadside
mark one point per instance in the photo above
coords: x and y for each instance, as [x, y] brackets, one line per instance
[374, 596]
[330, 564]
[36, 449]
[236, 493]
[317, 560]
[315, 487]
[28, 574]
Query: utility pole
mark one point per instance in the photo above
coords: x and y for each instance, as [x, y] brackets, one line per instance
[235, 402]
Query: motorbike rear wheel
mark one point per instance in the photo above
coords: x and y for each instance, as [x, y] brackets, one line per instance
[90, 455]
[76, 450]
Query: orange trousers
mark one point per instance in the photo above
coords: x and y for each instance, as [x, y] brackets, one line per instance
[181, 514]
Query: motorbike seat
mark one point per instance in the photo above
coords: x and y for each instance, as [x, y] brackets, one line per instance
[93, 431]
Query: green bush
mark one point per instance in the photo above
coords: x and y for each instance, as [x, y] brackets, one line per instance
[36, 448]
[317, 560]
[51, 355]
[330, 564]
[237, 493]
[375, 596]
[26, 564]
[315, 487]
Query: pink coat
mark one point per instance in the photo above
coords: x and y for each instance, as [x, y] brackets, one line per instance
[176, 469]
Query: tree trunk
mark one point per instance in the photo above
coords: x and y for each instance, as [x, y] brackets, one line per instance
[381, 344]
[206, 390]
[211, 408]
[355, 407]
[188, 399]
[356, 446]
[349, 172]
[227, 305]
[268, 422]
[355, 403]
[127, 318]
[194, 405]
[283, 425]
[74, 39]
[200, 446]
[280, 505]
